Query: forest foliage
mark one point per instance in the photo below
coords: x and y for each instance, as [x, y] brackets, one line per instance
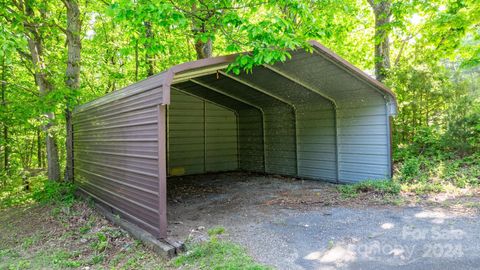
[55, 55]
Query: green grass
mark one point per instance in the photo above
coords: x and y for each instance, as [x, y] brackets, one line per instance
[422, 175]
[216, 231]
[217, 254]
[384, 187]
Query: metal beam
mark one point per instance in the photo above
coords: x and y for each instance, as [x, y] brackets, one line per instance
[222, 92]
[183, 77]
[203, 99]
[257, 88]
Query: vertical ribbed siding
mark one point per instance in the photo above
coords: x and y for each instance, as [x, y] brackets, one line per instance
[278, 119]
[316, 142]
[363, 133]
[363, 141]
[250, 140]
[116, 155]
[186, 135]
[202, 136]
[221, 139]
[313, 129]
[280, 154]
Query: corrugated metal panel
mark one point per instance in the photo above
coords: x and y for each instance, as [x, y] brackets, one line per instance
[363, 141]
[363, 132]
[250, 139]
[202, 136]
[250, 122]
[116, 153]
[221, 139]
[126, 93]
[185, 135]
[279, 123]
[316, 142]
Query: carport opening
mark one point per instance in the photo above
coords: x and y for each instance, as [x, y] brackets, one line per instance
[261, 122]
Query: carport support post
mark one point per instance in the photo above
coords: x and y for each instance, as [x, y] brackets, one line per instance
[337, 152]
[162, 172]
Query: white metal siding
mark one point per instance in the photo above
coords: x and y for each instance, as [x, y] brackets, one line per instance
[316, 142]
[363, 141]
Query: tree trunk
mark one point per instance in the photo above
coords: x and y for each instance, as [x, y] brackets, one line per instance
[72, 76]
[148, 48]
[6, 148]
[35, 45]
[39, 149]
[382, 11]
[203, 49]
[136, 60]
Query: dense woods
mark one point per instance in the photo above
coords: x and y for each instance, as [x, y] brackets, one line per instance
[55, 55]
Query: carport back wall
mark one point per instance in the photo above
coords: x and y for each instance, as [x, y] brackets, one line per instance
[249, 120]
[202, 136]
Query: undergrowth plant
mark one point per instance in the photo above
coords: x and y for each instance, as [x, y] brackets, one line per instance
[18, 189]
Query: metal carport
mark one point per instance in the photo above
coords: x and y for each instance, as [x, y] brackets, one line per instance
[314, 116]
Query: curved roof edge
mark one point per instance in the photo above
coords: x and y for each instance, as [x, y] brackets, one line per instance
[353, 69]
[165, 79]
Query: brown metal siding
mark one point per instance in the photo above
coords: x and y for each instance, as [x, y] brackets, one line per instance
[116, 155]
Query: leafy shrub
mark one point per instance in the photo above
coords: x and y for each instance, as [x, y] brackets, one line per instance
[55, 192]
[19, 189]
[410, 169]
[435, 173]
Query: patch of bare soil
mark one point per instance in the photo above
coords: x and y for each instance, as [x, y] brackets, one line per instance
[328, 195]
[231, 191]
[62, 236]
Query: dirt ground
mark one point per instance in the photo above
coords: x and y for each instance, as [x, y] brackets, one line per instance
[297, 224]
[68, 236]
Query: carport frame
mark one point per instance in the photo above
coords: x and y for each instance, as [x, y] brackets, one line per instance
[191, 70]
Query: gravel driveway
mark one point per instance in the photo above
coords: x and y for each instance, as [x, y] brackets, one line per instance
[325, 233]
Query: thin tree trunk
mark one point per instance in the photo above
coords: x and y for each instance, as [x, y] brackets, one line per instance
[35, 45]
[6, 148]
[39, 149]
[136, 60]
[72, 78]
[382, 11]
[148, 48]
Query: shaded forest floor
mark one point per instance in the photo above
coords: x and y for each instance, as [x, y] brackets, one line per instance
[72, 235]
[59, 236]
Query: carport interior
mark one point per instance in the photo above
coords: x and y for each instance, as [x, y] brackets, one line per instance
[309, 117]
[260, 122]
